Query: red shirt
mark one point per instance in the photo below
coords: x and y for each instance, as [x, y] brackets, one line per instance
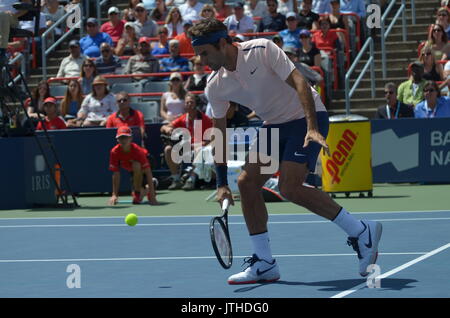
[118, 158]
[135, 118]
[183, 122]
[55, 123]
[114, 32]
[185, 44]
[325, 42]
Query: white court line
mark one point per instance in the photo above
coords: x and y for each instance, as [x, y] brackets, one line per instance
[394, 271]
[209, 216]
[203, 224]
[120, 259]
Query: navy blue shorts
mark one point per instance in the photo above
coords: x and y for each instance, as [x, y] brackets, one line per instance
[291, 139]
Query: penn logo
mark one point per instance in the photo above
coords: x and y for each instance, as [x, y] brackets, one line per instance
[340, 156]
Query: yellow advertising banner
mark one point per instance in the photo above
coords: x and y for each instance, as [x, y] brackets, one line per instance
[349, 168]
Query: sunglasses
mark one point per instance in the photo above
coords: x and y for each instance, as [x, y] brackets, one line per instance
[140, 10]
[388, 92]
[207, 10]
[122, 100]
[443, 15]
[437, 30]
[90, 25]
[175, 80]
[88, 65]
[113, 13]
[430, 90]
[106, 51]
[426, 54]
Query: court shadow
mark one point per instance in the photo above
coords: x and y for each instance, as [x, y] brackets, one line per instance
[355, 196]
[338, 285]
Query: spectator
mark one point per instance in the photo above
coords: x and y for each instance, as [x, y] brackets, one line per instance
[115, 26]
[208, 12]
[286, 6]
[107, 63]
[134, 159]
[39, 94]
[71, 65]
[87, 76]
[239, 22]
[126, 116]
[128, 44]
[306, 18]
[442, 18]
[278, 40]
[174, 22]
[191, 10]
[434, 104]
[174, 63]
[354, 6]
[162, 46]
[184, 39]
[222, 10]
[410, 92]
[321, 6]
[172, 102]
[197, 81]
[338, 20]
[308, 53]
[143, 62]
[272, 20]
[290, 35]
[256, 8]
[71, 103]
[98, 105]
[145, 26]
[324, 39]
[53, 11]
[393, 108]
[159, 14]
[439, 42]
[90, 44]
[432, 71]
[312, 76]
[29, 25]
[236, 117]
[129, 13]
[185, 121]
[51, 121]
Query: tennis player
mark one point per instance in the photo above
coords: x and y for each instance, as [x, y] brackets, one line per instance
[258, 74]
[133, 158]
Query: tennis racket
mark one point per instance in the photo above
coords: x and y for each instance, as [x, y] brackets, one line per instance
[220, 237]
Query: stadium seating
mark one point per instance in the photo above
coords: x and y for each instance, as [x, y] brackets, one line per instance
[150, 110]
[135, 87]
[58, 90]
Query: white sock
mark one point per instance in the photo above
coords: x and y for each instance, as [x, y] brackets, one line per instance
[348, 223]
[261, 246]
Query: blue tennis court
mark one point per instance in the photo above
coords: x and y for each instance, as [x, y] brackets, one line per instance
[172, 257]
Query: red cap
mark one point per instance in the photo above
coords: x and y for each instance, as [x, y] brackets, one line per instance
[50, 100]
[145, 39]
[123, 131]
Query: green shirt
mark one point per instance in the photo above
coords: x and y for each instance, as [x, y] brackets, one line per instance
[405, 93]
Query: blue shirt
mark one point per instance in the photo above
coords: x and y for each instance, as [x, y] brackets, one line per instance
[109, 67]
[161, 50]
[291, 38]
[321, 6]
[177, 64]
[355, 6]
[442, 109]
[90, 46]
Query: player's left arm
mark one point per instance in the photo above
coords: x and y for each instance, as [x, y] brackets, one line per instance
[300, 84]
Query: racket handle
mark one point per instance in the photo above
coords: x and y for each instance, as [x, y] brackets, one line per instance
[225, 204]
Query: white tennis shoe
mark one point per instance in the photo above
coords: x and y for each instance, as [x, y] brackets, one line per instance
[258, 271]
[366, 245]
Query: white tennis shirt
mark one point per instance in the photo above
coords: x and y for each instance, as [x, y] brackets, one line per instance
[259, 84]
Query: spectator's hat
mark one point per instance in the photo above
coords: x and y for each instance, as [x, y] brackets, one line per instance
[130, 24]
[277, 37]
[238, 4]
[144, 39]
[51, 100]
[305, 32]
[335, 1]
[99, 80]
[291, 15]
[239, 38]
[140, 5]
[290, 50]
[175, 75]
[187, 22]
[123, 131]
[92, 20]
[74, 43]
[113, 10]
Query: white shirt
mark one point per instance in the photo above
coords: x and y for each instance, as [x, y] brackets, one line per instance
[175, 106]
[6, 5]
[191, 13]
[97, 110]
[258, 83]
[259, 11]
[29, 25]
[285, 7]
[71, 67]
[241, 26]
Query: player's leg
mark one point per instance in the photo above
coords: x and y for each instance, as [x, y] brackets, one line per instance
[173, 167]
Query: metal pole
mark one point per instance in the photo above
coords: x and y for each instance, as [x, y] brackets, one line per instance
[44, 60]
[347, 95]
[413, 11]
[98, 11]
[404, 20]
[383, 50]
[372, 68]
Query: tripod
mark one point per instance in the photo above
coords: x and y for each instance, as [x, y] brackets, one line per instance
[16, 121]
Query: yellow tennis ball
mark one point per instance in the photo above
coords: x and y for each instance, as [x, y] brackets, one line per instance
[131, 219]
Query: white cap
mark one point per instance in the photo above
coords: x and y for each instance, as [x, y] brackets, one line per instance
[113, 9]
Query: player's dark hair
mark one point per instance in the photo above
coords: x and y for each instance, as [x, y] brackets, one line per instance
[207, 26]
